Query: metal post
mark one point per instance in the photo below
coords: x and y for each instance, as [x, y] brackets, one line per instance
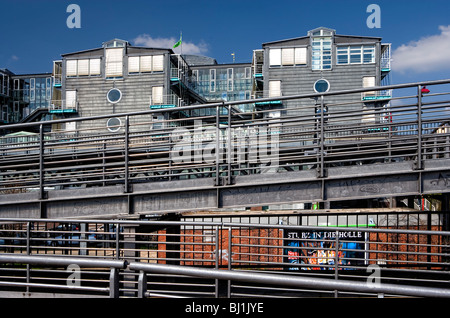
[230, 251]
[114, 283]
[126, 187]
[419, 127]
[217, 258]
[336, 262]
[28, 253]
[142, 284]
[229, 148]
[217, 183]
[322, 139]
[41, 161]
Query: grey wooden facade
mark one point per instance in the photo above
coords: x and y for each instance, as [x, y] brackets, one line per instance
[136, 88]
[300, 79]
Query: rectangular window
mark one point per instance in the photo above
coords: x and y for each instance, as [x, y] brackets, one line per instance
[158, 63]
[248, 72]
[94, 66]
[342, 55]
[157, 95]
[230, 80]
[212, 80]
[287, 56]
[71, 68]
[83, 68]
[71, 99]
[368, 54]
[275, 57]
[274, 88]
[32, 89]
[355, 54]
[145, 64]
[133, 64]
[321, 53]
[301, 56]
[70, 126]
[114, 62]
[369, 81]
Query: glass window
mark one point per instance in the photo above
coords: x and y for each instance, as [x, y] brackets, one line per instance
[212, 80]
[114, 62]
[369, 54]
[321, 86]
[274, 88]
[356, 54]
[114, 124]
[114, 95]
[342, 55]
[321, 53]
[275, 57]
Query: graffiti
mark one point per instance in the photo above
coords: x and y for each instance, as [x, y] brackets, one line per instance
[443, 179]
[316, 250]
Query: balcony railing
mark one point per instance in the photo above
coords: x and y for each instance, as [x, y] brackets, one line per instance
[63, 106]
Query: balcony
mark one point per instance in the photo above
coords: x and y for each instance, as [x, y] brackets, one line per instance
[377, 95]
[385, 62]
[63, 107]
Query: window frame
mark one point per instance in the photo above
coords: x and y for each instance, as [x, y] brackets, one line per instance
[362, 48]
[318, 49]
[296, 58]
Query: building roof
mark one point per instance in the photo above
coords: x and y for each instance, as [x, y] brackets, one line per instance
[304, 40]
[130, 49]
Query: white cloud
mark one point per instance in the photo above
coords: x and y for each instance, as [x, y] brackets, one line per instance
[428, 54]
[188, 47]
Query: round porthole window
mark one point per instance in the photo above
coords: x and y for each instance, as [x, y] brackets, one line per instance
[114, 95]
[114, 124]
[321, 86]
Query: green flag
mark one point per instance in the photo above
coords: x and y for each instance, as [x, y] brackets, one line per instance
[178, 43]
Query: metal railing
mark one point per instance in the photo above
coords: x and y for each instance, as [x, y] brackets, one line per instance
[317, 132]
[398, 249]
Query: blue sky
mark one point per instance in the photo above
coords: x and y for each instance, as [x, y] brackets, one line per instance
[34, 33]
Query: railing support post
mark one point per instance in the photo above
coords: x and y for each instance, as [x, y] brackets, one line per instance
[229, 148]
[217, 183]
[126, 154]
[419, 128]
[41, 162]
[114, 283]
[142, 284]
[322, 139]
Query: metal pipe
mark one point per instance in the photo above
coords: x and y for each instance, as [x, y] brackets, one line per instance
[62, 261]
[292, 281]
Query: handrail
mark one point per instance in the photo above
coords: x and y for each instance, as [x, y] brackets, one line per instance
[231, 103]
[289, 280]
[63, 261]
